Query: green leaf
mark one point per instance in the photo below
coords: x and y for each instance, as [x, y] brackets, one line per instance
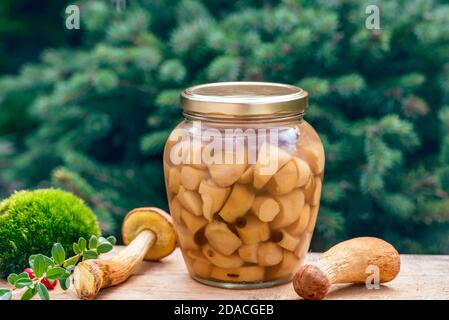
[12, 278]
[30, 293]
[39, 266]
[104, 248]
[112, 240]
[22, 275]
[82, 243]
[56, 273]
[31, 260]
[103, 245]
[71, 262]
[5, 294]
[48, 261]
[93, 242]
[65, 283]
[58, 253]
[43, 291]
[90, 254]
[76, 248]
[23, 282]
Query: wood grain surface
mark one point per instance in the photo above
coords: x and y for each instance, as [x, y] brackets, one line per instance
[421, 277]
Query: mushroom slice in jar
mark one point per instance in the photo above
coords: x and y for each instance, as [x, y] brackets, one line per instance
[185, 238]
[285, 240]
[226, 175]
[202, 268]
[309, 189]
[175, 210]
[247, 176]
[313, 154]
[220, 260]
[300, 225]
[316, 193]
[230, 170]
[265, 208]
[269, 254]
[198, 264]
[284, 269]
[270, 159]
[304, 244]
[190, 200]
[291, 206]
[221, 238]
[174, 179]
[242, 274]
[312, 191]
[313, 216]
[191, 177]
[196, 255]
[193, 222]
[252, 230]
[238, 203]
[213, 197]
[284, 180]
[303, 171]
[248, 252]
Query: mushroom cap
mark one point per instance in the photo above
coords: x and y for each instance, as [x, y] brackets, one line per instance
[156, 220]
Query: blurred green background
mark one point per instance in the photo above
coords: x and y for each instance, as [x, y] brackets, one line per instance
[89, 110]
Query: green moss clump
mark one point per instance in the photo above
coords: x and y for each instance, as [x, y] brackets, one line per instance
[31, 221]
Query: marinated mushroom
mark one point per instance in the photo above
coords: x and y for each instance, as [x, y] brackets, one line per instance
[213, 197]
[191, 177]
[191, 201]
[285, 180]
[221, 238]
[270, 159]
[269, 254]
[221, 260]
[252, 230]
[291, 206]
[238, 203]
[265, 208]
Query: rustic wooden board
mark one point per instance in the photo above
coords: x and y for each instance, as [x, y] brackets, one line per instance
[421, 277]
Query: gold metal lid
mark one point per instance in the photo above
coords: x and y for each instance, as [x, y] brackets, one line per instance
[244, 99]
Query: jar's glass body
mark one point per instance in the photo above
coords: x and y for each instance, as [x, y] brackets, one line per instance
[244, 214]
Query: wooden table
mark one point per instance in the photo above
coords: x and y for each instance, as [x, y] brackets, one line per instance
[421, 277]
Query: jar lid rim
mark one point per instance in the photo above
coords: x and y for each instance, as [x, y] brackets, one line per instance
[244, 98]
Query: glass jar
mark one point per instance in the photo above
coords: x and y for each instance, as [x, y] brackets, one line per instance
[244, 173]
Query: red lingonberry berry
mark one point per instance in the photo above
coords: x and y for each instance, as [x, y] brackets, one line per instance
[50, 285]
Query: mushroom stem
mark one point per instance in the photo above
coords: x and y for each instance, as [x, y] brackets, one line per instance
[91, 276]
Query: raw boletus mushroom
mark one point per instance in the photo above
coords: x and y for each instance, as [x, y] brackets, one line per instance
[149, 234]
[347, 262]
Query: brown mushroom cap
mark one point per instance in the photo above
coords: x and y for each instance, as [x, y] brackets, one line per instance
[156, 220]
